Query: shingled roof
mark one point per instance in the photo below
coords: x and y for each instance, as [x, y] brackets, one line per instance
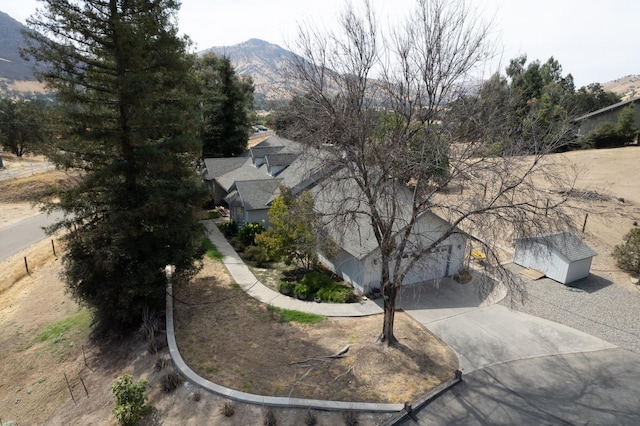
[253, 194]
[565, 243]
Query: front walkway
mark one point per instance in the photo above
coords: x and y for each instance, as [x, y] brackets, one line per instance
[249, 283]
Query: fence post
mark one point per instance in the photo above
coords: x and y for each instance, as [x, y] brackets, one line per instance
[584, 225]
[54, 248]
[26, 265]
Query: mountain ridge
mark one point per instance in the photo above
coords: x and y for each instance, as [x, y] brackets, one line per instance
[266, 63]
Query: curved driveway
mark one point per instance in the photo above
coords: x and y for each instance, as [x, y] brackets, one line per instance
[521, 369]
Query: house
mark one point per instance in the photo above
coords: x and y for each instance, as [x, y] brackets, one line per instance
[250, 188]
[562, 256]
[221, 174]
[357, 259]
[588, 123]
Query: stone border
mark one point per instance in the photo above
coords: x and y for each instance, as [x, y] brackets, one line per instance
[272, 401]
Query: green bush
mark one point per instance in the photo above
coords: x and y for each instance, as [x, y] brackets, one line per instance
[248, 233]
[229, 229]
[607, 136]
[336, 293]
[627, 254]
[130, 399]
[315, 281]
[301, 291]
[285, 287]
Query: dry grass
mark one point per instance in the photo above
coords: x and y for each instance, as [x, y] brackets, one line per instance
[271, 357]
[13, 268]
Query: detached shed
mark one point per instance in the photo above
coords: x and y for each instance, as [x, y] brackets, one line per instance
[563, 257]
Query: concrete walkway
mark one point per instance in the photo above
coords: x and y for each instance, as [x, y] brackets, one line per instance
[249, 283]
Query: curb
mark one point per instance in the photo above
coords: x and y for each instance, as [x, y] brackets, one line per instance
[407, 410]
[272, 401]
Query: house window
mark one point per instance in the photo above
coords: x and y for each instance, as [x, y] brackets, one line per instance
[239, 211]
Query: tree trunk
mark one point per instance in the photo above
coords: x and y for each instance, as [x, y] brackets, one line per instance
[389, 293]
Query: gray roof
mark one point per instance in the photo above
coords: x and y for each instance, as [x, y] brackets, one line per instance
[246, 172]
[217, 167]
[565, 243]
[353, 232]
[280, 159]
[608, 108]
[253, 194]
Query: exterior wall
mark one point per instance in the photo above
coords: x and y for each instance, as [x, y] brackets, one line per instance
[553, 264]
[242, 216]
[366, 274]
[578, 270]
[261, 216]
[218, 193]
[347, 267]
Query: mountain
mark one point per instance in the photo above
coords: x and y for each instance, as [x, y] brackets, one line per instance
[627, 87]
[265, 62]
[12, 66]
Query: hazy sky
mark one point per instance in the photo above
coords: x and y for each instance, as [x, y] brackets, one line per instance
[596, 41]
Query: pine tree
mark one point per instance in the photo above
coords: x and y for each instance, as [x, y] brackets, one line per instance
[225, 103]
[122, 77]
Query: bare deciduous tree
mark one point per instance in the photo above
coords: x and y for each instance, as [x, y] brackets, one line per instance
[381, 100]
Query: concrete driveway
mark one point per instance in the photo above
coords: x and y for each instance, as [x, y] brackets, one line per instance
[483, 333]
[520, 369]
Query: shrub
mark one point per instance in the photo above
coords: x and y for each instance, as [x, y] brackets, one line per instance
[171, 381]
[285, 287]
[336, 293]
[301, 291]
[248, 233]
[130, 399]
[315, 281]
[270, 418]
[350, 418]
[229, 229]
[310, 419]
[228, 409]
[257, 254]
[607, 136]
[627, 254]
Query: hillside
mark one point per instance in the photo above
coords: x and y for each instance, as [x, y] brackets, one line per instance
[265, 62]
[12, 66]
[627, 87]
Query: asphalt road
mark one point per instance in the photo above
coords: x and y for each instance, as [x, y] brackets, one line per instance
[18, 236]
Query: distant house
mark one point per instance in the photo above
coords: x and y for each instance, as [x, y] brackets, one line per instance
[262, 162]
[248, 202]
[562, 256]
[608, 115]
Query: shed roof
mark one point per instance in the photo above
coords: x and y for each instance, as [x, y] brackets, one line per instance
[565, 243]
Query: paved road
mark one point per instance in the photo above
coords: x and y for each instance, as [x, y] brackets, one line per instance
[21, 235]
[28, 170]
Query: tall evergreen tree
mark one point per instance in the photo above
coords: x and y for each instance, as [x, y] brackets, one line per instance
[122, 77]
[226, 102]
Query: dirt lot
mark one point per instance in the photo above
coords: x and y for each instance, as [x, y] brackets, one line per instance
[33, 389]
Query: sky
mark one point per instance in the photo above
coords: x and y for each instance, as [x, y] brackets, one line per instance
[595, 41]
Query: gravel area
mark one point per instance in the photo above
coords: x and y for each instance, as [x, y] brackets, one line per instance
[593, 305]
